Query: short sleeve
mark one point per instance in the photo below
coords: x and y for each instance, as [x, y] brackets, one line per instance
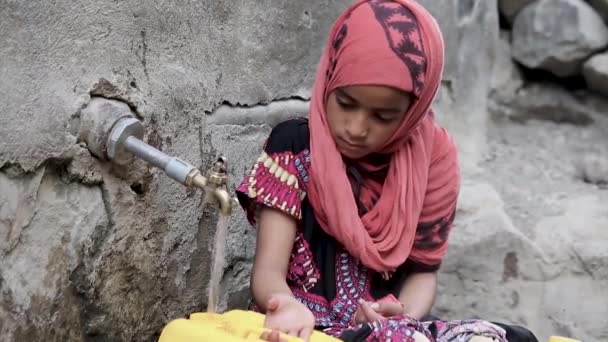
[279, 177]
[439, 208]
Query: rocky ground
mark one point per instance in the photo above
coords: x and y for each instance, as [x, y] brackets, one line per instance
[531, 245]
[538, 166]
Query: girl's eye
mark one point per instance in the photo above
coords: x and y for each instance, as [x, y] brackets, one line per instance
[346, 105]
[384, 118]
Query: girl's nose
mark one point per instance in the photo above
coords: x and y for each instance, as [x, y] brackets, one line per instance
[357, 127]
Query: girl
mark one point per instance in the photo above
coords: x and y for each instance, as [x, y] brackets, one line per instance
[354, 205]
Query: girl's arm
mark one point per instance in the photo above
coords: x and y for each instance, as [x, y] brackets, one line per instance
[275, 237]
[418, 294]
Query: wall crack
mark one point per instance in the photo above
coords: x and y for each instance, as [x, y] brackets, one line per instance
[270, 113]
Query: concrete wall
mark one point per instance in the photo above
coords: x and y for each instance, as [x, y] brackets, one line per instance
[92, 251]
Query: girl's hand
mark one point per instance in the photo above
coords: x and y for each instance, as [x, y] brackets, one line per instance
[272, 336]
[286, 314]
[372, 312]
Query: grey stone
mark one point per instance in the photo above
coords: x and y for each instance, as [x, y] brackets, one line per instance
[84, 168]
[595, 71]
[496, 266]
[594, 101]
[446, 15]
[535, 168]
[500, 266]
[594, 168]
[510, 8]
[46, 226]
[507, 77]
[541, 102]
[601, 6]
[557, 35]
[573, 241]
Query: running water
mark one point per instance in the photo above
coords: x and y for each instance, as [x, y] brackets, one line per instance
[218, 258]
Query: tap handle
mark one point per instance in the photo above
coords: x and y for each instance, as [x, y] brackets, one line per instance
[220, 165]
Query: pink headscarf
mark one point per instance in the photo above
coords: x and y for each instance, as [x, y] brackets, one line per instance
[396, 44]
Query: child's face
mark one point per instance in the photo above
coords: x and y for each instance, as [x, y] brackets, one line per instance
[363, 118]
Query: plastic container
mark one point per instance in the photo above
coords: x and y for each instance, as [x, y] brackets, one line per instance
[232, 326]
[562, 339]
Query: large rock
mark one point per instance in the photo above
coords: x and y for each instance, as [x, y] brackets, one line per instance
[595, 71]
[601, 6]
[510, 8]
[557, 35]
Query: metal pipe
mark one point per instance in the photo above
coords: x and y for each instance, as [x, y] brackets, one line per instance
[174, 167]
[147, 152]
[112, 133]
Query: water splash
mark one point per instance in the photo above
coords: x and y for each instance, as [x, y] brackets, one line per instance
[218, 257]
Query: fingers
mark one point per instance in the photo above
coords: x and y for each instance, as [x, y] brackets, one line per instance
[388, 309]
[360, 316]
[272, 336]
[267, 336]
[275, 335]
[370, 314]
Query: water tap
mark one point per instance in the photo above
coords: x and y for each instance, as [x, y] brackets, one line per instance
[112, 133]
[215, 183]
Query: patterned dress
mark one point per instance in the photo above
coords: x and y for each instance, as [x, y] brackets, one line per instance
[323, 275]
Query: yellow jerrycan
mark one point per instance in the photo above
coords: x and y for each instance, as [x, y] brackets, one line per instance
[232, 326]
[562, 339]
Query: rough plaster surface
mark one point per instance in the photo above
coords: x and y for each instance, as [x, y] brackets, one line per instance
[143, 261]
[471, 33]
[91, 251]
[167, 59]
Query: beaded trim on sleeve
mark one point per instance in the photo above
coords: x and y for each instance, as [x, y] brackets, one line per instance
[279, 181]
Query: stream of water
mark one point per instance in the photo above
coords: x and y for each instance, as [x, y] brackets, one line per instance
[218, 259]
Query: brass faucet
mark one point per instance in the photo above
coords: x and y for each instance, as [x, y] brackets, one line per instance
[214, 184]
[112, 133]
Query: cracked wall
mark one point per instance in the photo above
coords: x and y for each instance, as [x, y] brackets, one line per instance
[93, 251]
